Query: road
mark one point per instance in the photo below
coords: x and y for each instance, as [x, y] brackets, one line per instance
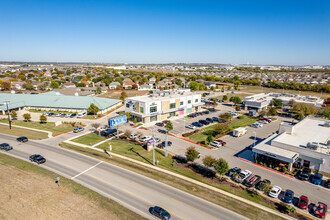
[134, 191]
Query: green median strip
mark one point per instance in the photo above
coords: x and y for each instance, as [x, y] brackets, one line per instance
[89, 139]
[34, 135]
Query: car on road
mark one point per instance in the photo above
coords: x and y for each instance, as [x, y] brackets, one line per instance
[234, 170]
[215, 144]
[303, 202]
[252, 181]
[162, 145]
[5, 146]
[305, 174]
[288, 196]
[204, 122]
[22, 139]
[37, 158]
[160, 213]
[160, 124]
[275, 191]
[216, 119]
[209, 120]
[327, 184]
[197, 124]
[145, 139]
[263, 184]
[317, 179]
[78, 129]
[73, 115]
[191, 126]
[242, 176]
[320, 210]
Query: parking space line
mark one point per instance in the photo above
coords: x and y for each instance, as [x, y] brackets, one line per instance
[87, 170]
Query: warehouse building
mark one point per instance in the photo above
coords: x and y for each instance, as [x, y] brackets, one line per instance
[162, 105]
[305, 144]
[55, 101]
[261, 101]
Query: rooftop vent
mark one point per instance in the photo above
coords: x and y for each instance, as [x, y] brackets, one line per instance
[313, 145]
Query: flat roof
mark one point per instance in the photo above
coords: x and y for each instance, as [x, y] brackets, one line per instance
[265, 148]
[307, 130]
[157, 97]
[54, 100]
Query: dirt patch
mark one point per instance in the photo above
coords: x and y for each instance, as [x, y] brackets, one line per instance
[27, 195]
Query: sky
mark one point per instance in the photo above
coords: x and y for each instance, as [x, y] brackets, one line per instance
[265, 32]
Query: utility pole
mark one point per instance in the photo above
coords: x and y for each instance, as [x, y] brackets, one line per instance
[166, 142]
[9, 121]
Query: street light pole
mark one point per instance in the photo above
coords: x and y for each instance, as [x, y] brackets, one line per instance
[255, 138]
[166, 143]
[153, 148]
[9, 121]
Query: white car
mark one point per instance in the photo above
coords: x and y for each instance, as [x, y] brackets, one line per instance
[263, 122]
[133, 136]
[216, 144]
[191, 126]
[256, 125]
[275, 191]
[145, 139]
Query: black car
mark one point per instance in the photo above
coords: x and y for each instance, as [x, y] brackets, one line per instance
[204, 122]
[212, 110]
[22, 139]
[305, 174]
[209, 120]
[162, 145]
[234, 170]
[262, 184]
[5, 146]
[37, 158]
[162, 131]
[327, 184]
[160, 213]
[160, 124]
[216, 119]
[206, 112]
[73, 115]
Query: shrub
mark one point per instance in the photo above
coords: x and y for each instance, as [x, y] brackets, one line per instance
[209, 138]
[191, 153]
[221, 166]
[27, 116]
[43, 119]
[209, 161]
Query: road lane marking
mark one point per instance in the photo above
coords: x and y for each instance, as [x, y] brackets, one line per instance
[87, 170]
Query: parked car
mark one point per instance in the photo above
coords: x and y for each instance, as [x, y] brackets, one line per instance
[162, 145]
[327, 184]
[212, 109]
[266, 119]
[288, 196]
[51, 114]
[78, 129]
[303, 202]
[108, 132]
[234, 170]
[163, 131]
[320, 210]
[216, 119]
[275, 191]
[252, 181]
[191, 126]
[204, 122]
[133, 136]
[37, 158]
[5, 146]
[233, 113]
[256, 125]
[317, 179]
[215, 144]
[242, 176]
[263, 184]
[222, 142]
[22, 139]
[45, 113]
[197, 124]
[73, 115]
[160, 124]
[262, 122]
[206, 112]
[305, 173]
[160, 213]
[145, 139]
[81, 114]
[209, 120]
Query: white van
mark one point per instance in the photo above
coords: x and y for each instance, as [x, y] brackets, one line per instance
[81, 114]
[239, 132]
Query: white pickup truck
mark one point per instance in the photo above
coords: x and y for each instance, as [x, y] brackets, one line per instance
[242, 176]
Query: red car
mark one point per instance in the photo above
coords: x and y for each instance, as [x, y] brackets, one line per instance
[222, 142]
[266, 119]
[320, 210]
[303, 202]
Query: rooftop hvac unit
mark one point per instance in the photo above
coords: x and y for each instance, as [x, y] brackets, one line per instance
[313, 145]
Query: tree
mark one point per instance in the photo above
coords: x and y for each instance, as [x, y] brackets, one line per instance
[235, 99]
[277, 103]
[191, 153]
[209, 161]
[169, 126]
[13, 114]
[5, 86]
[225, 116]
[27, 116]
[291, 102]
[326, 112]
[209, 138]
[214, 101]
[300, 116]
[224, 98]
[221, 166]
[43, 119]
[98, 90]
[54, 84]
[96, 125]
[28, 86]
[272, 111]
[238, 108]
[123, 96]
[93, 108]
[222, 128]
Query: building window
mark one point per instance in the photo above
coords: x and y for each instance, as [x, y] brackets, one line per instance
[153, 118]
[153, 109]
[141, 109]
[196, 100]
[172, 114]
[127, 105]
[172, 105]
[189, 101]
[181, 103]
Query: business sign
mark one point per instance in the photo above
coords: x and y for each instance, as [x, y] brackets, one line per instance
[118, 120]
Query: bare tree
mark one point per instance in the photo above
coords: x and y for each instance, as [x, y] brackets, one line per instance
[96, 125]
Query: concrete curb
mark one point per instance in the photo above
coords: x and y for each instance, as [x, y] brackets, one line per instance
[192, 181]
[50, 134]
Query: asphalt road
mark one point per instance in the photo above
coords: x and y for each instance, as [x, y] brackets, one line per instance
[134, 191]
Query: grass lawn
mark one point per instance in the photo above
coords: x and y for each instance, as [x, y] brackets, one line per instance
[245, 121]
[139, 153]
[41, 197]
[89, 139]
[34, 135]
[49, 126]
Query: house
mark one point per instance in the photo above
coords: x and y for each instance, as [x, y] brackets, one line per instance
[145, 87]
[129, 85]
[69, 85]
[17, 85]
[127, 80]
[114, 85]
[210, 84]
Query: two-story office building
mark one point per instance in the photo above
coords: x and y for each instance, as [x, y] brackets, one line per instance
[162, 105]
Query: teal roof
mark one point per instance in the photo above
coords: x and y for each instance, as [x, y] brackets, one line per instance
[54, 100]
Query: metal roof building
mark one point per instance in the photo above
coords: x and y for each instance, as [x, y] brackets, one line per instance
[55, 101]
